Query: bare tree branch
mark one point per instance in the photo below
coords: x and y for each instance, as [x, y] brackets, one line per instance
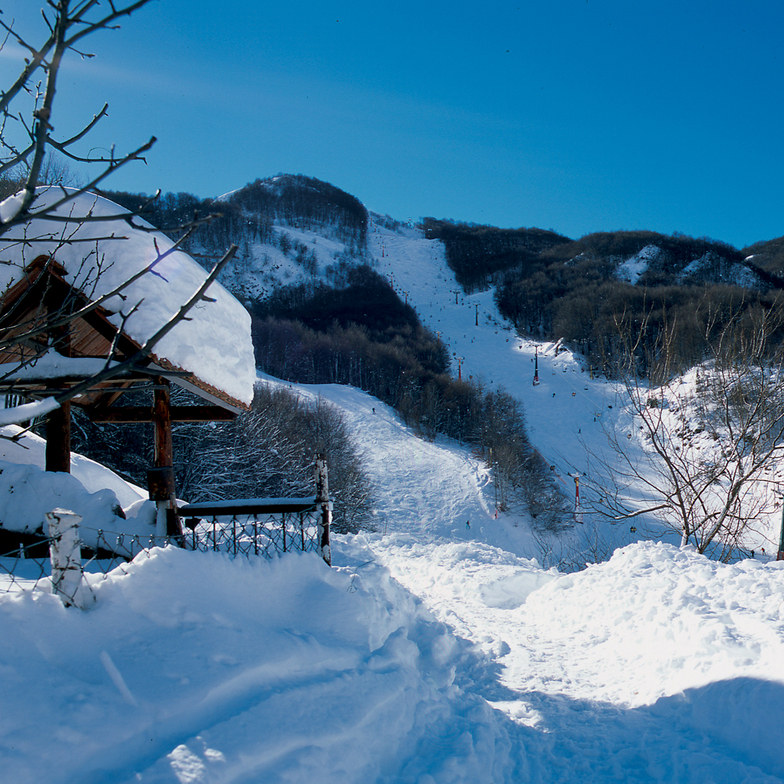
[69, 23]
[705, 448]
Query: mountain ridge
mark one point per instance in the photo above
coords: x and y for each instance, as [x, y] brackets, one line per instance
[295, 230]
[256, 212]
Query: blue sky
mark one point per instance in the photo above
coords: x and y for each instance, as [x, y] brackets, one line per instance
[573, 115]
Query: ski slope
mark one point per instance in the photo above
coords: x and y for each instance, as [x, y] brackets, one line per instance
[564, 411]
[559, 410]
[569, 412]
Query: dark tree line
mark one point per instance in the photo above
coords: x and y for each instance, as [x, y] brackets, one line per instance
[169, 210]
[574, 292]
[678, 249]
[477, 254]
[360, 334]
[362, 297]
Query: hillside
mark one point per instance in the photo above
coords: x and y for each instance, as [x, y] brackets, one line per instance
[287, 228]
[578, 290]
[387, 316]
[768, 255]
[297, 230]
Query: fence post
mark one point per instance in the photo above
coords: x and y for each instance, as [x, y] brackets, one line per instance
[324, 506]
[65, 554]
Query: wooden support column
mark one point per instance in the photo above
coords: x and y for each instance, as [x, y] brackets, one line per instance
[58, 439]
[58, 422]
[161, 476]
[164, 452]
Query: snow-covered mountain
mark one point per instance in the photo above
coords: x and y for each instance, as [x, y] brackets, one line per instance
[442, 648]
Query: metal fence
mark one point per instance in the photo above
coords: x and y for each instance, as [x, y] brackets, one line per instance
[260, 526]
[249, 527]
[29, 567]
[245, 527]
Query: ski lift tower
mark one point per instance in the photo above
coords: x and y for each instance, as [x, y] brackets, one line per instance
[780, 553]
[460, 361]
[536, 366]
[578, 509]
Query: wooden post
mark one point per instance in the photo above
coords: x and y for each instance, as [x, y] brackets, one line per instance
[161, 478]
[780, 553]
[324, 506]
[58, 439]
[58, 422]
[164, 453]
[65, 554]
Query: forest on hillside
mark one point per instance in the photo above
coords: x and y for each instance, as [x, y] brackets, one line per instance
[340, 323]
[247, 215]
[550, 287]
[644, 301]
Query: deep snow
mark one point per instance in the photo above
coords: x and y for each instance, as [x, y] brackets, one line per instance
[432, 652]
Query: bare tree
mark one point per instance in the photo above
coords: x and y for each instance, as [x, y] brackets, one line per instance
[270, 451]
[31, 154]
[69, 24]
[710, 443]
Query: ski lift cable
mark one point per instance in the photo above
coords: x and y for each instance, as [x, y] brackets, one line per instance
[574, 388]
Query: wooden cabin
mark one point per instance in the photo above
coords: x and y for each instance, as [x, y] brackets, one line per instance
[53, 337]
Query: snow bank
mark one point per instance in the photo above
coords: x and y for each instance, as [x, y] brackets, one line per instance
[25, 448]
[102, 498]
[657, 666]
[214, 343]
[741, 714]
[195, 668]
[655, 620]
[27, 493]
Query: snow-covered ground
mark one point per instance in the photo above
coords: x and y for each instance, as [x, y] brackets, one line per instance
[437, 650]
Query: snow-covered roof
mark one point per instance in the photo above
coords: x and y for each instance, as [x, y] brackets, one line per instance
[214, 344]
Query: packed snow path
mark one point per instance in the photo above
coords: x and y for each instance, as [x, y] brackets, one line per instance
[650, 667]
